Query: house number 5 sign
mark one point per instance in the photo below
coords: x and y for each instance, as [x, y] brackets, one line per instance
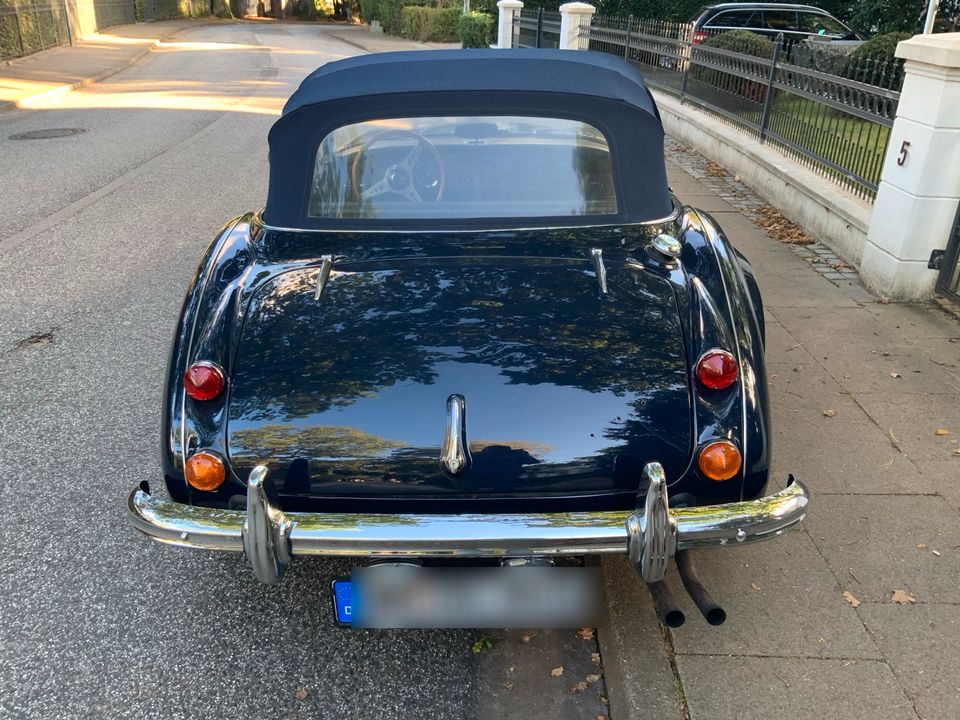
[902, 157]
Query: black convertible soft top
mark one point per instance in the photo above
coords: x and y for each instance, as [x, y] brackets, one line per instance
[597, 88]
[560, 71]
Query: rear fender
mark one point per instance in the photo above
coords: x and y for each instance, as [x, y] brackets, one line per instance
[723, 309]
[199, 334]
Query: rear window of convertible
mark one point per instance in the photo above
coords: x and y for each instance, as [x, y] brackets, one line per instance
[463, 167]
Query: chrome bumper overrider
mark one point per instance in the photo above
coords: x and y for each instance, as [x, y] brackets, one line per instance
[651, 536]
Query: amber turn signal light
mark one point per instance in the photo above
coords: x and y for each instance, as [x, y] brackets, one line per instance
[205, 471]
[204, 381]
[720, 460]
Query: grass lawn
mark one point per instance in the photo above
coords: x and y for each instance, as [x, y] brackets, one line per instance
[854, 144]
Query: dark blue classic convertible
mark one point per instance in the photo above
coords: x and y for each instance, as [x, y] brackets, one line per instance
[472, 321]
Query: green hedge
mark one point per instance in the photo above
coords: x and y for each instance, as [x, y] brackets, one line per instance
[36, 30]
[389, 12]
[174, 9]
[386, 11]
[733, 85]
[430, 24]
[744, 42]
[476, 30]
[875, 61]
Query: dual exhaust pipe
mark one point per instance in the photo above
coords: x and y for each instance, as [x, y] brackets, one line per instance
[671, 613]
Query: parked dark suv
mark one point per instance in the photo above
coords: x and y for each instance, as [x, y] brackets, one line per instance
[796, 22]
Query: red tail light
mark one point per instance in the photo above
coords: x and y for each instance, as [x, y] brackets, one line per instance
[717, 370]
[203, 381]
[699, 37]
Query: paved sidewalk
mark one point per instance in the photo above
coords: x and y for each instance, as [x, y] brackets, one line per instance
[88, 61]
[866, 410]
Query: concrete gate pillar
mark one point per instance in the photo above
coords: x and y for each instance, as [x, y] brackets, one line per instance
[573, 16]
[507, 10]
[919, 189]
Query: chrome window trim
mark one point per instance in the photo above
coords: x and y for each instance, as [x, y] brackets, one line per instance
[672, 217]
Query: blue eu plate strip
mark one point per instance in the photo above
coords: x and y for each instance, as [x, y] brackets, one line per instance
[343, 602]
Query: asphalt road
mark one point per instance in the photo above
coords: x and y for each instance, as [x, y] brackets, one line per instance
[100, 232]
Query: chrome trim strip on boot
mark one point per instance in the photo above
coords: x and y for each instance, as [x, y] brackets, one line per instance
[273, 535]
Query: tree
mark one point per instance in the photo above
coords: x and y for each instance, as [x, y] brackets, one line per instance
[869, 17]
[221, 9]
[877, 17]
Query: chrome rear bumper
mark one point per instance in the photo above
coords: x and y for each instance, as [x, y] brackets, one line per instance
[269, 537]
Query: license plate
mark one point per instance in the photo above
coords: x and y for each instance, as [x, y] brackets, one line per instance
[407, 597]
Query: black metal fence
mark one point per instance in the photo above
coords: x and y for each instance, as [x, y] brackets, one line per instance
[27, 26]
[948, 281]
[835, 124]
[536, 29]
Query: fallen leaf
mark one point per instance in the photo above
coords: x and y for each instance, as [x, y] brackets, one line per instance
[585, 633]
[896, 375]
[957, 451]
[527, 637]
[595, 657]
[714, 170]
[901, 598]
[849, 597]
[936, 552]
[508, 685]
[557, 671]
[301, 694]
[482, 644]
[829, 412]
[578, 687]
[921, 546]
[592, 677]
[941, 432]
[779, 227]
[755, 585]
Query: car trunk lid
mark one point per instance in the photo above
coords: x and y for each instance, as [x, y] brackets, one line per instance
[566, 388]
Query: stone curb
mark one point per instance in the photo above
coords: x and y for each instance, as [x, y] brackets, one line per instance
[360, 46]
[352, 43]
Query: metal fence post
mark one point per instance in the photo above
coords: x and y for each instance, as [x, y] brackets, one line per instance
[36, 24]
[686, 57]
[16, 18]
[626, 45]
[768, 98]
[539, 40]
[67, 21]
